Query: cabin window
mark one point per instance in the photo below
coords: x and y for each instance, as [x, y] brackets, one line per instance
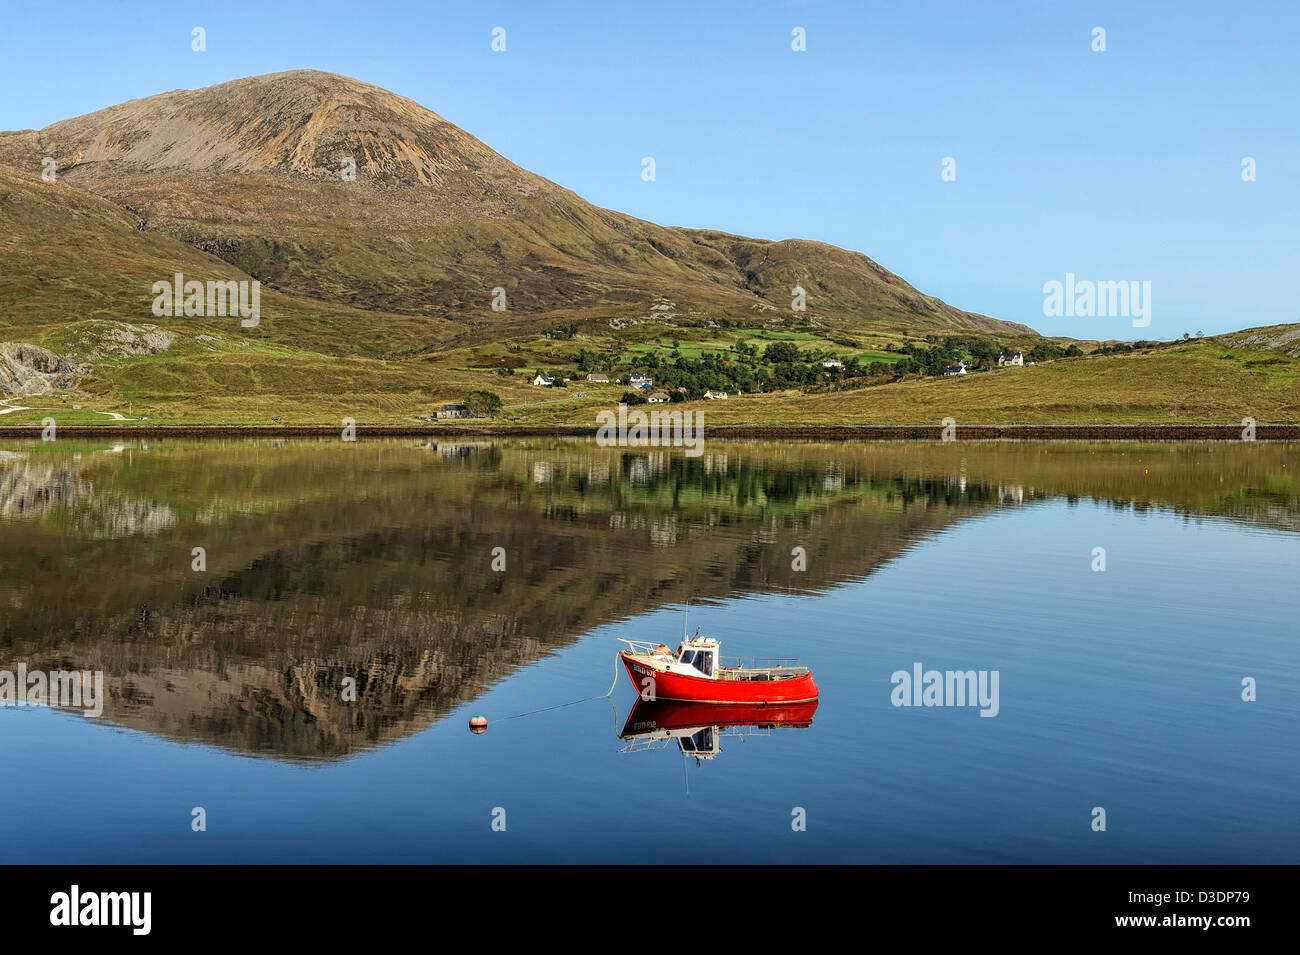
[702, 660]
[698, 742]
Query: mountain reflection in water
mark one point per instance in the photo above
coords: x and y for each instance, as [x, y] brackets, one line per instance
[373, 561]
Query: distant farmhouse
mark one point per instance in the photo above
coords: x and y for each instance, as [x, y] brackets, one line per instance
[597, 376]
[715, 395]
[543, 381]
[641, 382]
[657, 398]
[832, 363]
[453, 411]
[953, 370]
[1009, 359]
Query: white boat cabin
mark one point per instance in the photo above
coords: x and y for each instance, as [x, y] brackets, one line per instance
[700, 655]
[697, 656]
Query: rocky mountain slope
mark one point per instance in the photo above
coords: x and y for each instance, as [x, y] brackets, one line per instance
[248, 177]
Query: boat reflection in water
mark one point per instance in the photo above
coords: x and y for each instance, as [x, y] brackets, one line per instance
[698, 728]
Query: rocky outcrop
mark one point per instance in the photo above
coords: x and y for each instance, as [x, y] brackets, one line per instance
[1280, 338]
[27, 369]
[104, 339]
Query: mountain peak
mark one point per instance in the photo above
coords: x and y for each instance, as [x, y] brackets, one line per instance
[303, 122]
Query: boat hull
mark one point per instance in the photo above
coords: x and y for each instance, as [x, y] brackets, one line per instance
[702, 689]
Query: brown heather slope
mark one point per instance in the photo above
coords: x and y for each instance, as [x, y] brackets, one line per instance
[67, 256]
[249, 172]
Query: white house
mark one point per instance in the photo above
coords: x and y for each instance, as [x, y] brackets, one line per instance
[543, 381]
[657, 398]
[597, 376]
[714, 395]
[1011, 358]
[832, 363]
[954, 370]
[640, 381]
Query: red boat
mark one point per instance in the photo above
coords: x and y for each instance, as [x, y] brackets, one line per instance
[697, 674]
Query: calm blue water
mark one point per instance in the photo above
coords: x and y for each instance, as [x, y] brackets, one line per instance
[1119, 690]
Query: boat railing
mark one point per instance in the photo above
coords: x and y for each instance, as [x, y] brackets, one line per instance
[746, 730]
[641, 744]
[641, 646]
[759, 663]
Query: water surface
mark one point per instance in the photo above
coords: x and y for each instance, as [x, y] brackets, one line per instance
[373, 562]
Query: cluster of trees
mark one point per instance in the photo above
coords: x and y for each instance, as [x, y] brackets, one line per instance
[779, 365]
[482, 404]
[1120, 348]
[746, 369]
[979, 354]
[1046, 351]
[932, 360]
[792, 368]
[710, 372]
[595, 361]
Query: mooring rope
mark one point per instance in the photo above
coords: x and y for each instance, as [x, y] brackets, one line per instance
[559, 706]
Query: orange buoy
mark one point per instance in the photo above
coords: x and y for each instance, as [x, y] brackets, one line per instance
[478, 724]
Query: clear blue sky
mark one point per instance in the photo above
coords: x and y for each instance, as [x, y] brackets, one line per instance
[1122, 165]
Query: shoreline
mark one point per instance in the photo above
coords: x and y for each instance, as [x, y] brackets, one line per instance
[843, 432]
